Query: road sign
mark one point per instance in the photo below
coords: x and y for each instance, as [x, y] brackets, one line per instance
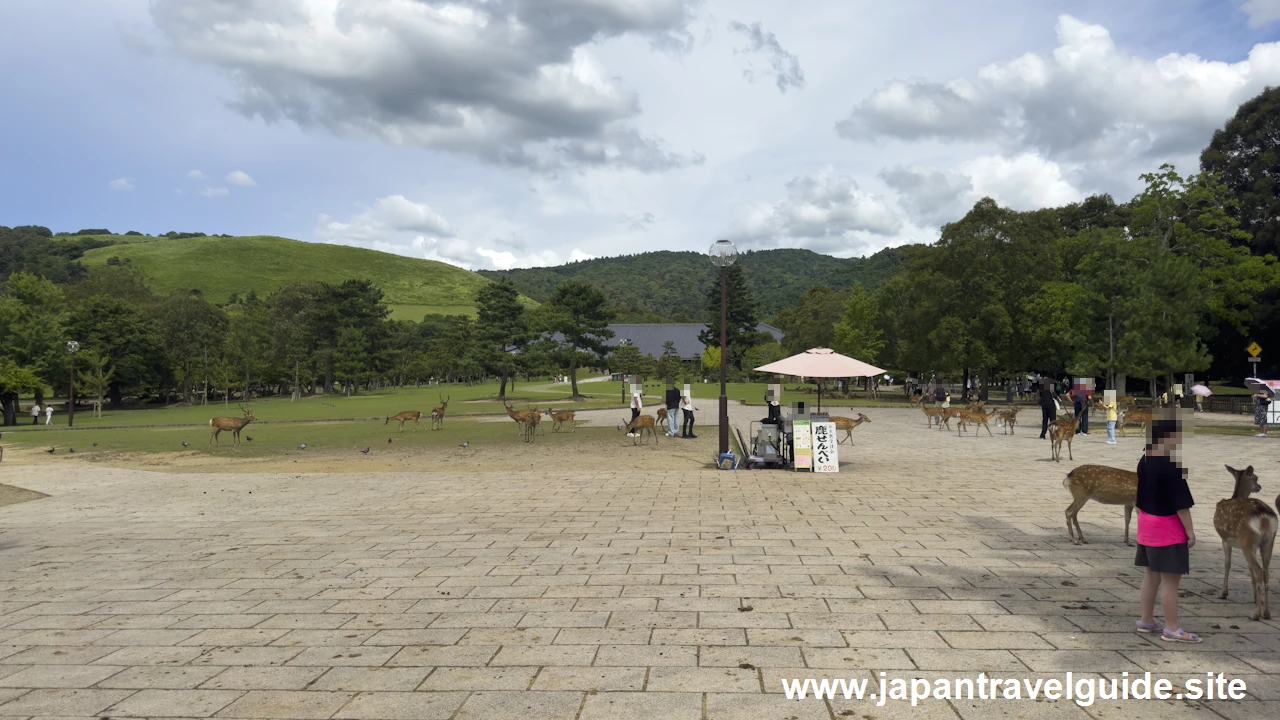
[1254, 349]
[1254, 359]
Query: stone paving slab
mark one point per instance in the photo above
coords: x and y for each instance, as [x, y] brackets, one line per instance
[583, 595]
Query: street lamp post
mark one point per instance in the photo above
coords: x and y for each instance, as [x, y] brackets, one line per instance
[723, 253]
[73, 347]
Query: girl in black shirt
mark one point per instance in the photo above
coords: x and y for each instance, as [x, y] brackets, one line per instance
[1165, 532]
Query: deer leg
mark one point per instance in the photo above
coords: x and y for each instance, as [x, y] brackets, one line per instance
[1250, 550]
[1072, 510]
[1069, 455]
[1226, 568]
[1128, 513]
[988, 427]
[1267, 548]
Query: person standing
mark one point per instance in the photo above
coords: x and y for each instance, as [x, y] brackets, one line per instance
[1112, 417]
[1048, 410]
[35, 414]
[673, 409]
[1082, 409]
[48, 414]
[1261, 401]
[687, 408]
[1165, 532]
[636, 407]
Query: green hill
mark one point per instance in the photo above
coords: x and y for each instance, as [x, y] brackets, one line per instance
[221, 266]
[672, 286]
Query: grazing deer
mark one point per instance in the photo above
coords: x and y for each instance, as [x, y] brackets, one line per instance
[1250, 525]
[662, 416]
[1060, 430]
[520, 416]
[931, 413]
[847, 425]
[1099, 483]
[1134, 415]
[558, 419]
[437, 414]
[639, 425]
[406, 416]
[234, 424]
[978, 417]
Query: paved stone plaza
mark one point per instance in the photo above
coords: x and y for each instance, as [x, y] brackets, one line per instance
[603, 596]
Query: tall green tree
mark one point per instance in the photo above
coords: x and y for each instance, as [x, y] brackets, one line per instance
[580, 312]
[1245, 154]
[32, 326]
[857, 334]
[503, 328]
[15, 379]
[742, 314]
[190, 328]
[811, 322]
[126, 335]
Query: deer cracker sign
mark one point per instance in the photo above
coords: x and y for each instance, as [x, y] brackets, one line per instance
[825, 452]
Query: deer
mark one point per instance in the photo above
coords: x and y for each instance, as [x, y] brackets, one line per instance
[1008, 418]
[639, 425]
[1250, 525]
[931, 413]
[408, 415]
[437, 414]
[531, 425]
[847, 425]
[558, 419]
[520, 416]
[1134, 415]
[947, 414]
[1060, 430]
[234, 424]
[662, 416]
[977, 417]
[1099, 483]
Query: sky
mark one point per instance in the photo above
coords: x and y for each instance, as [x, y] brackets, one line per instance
[518, 133]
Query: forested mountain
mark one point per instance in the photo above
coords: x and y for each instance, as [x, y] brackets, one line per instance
[672, 286]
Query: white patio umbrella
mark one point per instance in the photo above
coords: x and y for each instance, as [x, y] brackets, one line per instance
[820, 363]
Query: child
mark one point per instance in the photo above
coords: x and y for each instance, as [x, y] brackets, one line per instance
[1165, 532]
[1109, 404]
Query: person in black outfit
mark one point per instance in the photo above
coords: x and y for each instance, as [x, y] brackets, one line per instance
[1048, 412]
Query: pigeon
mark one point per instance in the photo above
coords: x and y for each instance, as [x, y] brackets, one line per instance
[303, 446]
[51, 450]
[465, 444]
[71, 450]
[246, 437]
[186, 444]
[388, 441]
[95, 444]
[366, 451]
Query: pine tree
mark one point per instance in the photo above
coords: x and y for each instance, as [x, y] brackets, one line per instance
[742, 312]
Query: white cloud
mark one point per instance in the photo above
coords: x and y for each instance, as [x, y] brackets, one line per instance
[121, 184]
[824, 211]
[1261, 12]
[1088, 100]
[513, 83]
[930, 196]
[934, 197]
[577, 255]
[240, 177]
[195, 175]
[214, 192]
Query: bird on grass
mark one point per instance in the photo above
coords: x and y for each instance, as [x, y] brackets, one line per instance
[388, 441]
[303, 446]
[366, 451]
[186, 444]
[72, 450]
[246, 437]
[465, 444]
[95, 444]
[51, 450]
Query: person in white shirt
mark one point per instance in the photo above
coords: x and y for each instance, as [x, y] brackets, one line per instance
[686, 407]
[48, 414]
[35, 414]
[636, 407]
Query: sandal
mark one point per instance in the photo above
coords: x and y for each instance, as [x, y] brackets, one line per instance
[1155, 627]
[1179, 636]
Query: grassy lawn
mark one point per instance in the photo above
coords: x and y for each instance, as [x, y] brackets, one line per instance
[415, 312]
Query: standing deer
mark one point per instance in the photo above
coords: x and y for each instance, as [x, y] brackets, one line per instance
[406, 416]
[1134, 415]
[947, 414]
[437, 414]
[520, 416]
[847, 425]
[1099, 483]
[1250, 525]
[639, 425]
[662, 416]
[977, 417]
[234, 424]
[931, 413]
[1060, 430]
[532, 425]
[1008, 418]
[558, 419]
